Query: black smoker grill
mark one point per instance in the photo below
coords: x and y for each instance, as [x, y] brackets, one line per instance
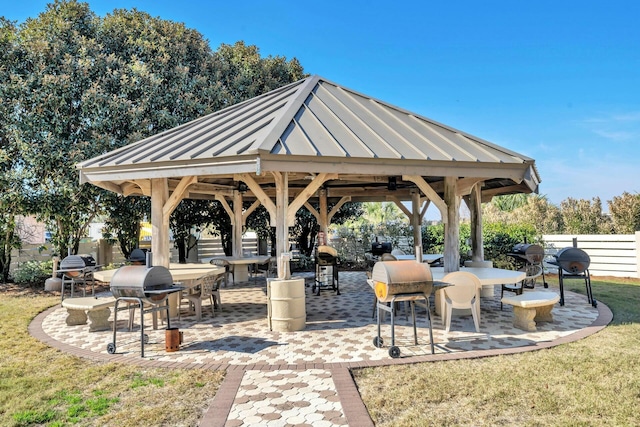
[395, 281]
[140, 285]
[527, 254]
[573, 263]
[78, 269]
[378, 248]
[326, 258]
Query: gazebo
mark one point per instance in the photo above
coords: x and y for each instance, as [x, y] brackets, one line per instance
[314, 140]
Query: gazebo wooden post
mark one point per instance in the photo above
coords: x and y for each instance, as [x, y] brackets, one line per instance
[475, 209]
[237, 224]
[282, 227]
[323, 220]
[159, 223]
[416, 219]
[452, 226]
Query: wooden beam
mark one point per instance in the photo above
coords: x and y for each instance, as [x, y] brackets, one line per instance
[107, 185]
[474, 204]
[159, 223]
[309, 191]
[260, 195]
[423, 212]
[237, 225]
[226, 208]
[249, 211]
[416, 220]
[181, 191]
[282, 230]
[466, 185]
[337, 207]
[323, 221]
[399, 204]
[430, 193]
[313, 211]
[144, 185]
[452, 226]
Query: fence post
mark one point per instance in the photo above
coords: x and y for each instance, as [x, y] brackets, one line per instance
[105, 252]
[638, 254]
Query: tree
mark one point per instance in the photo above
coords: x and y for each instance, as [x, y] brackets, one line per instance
[189, 218]
[57, 76]
[625, 213]
[584, 217]
[11, 195]
[124, 215]
[306, 227]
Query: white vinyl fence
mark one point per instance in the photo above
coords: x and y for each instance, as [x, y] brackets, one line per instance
[615, 255]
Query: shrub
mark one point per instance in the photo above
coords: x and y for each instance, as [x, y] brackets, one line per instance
[33, 272]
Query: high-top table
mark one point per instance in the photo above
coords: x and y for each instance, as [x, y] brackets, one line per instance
[241, 274]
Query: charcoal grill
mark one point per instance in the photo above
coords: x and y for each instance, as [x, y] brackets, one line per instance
[326, 259]
[395, 281]
[78, 269]
[525, 255]
[379, 248]
[138, 256]
[144, 286]
[573, 263]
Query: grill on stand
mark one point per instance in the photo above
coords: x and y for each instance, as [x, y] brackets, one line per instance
[395, 281]
[573, 263]
[326, 271]
[143, 286]
[379, 248]
[78, 269]
[527, 255]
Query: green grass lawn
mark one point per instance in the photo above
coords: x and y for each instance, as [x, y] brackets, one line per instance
[42, 386]
[592, 382]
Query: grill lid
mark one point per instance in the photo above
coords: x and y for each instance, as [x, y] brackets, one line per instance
[378, 248]
[140, 279]
[572, 260]
[401, 277]
[532, 253]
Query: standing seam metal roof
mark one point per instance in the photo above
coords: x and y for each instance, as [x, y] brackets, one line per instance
[311, 117]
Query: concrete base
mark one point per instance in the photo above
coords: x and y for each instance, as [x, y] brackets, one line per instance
[53, 284]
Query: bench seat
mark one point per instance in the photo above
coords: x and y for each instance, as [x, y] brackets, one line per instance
[96, 309]
[531, 307]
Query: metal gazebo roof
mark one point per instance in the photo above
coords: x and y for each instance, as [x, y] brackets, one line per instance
[308, 127]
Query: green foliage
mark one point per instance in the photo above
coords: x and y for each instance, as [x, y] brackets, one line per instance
[123, 222]
[306, 227]
[499, 239]
[33, 272]
[625, 213]
[188, 219]
[584, 217]
[34, 417]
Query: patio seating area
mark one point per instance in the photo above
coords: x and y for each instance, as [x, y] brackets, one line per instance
[339, 331]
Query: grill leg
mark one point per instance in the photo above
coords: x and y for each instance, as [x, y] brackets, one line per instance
[393, 317]
[413, 317]
[430, 329]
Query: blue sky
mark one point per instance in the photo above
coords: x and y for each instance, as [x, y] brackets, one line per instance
[558, 81]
